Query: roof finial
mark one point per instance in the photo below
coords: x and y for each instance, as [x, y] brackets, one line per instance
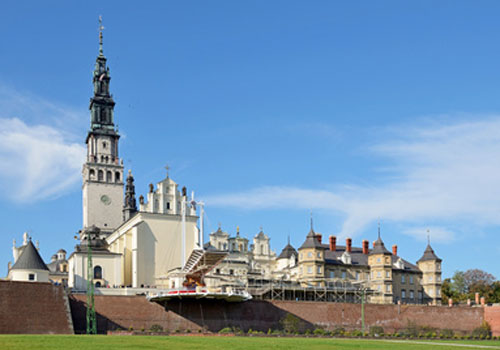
[378, 228]
[167, 168]
[311, 213]
[101, 27]
[288, 239]
[428, 237]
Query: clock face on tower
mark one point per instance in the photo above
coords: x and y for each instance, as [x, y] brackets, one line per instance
[105, 199]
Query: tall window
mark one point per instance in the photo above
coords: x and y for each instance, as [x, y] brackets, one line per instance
[403, 279]
[100, 175]
[108, 176]
[412, 294]
[332, 274]
[117, 176]
[92, 174]
[344, 275]
[411, 279]
[98, 272]
[403, 294]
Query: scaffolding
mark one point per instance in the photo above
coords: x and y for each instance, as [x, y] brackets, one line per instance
[340, 292]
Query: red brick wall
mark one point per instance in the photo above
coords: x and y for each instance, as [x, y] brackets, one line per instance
[492, 316]
[34, 308]
[124, 312]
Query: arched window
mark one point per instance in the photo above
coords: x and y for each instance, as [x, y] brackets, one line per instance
[108, 176]
[98, 272]
[98, 284]
[100, 175]
[117, 176]
[92, 174]
[262, 249]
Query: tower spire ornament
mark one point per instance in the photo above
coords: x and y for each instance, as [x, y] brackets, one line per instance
[101, 28]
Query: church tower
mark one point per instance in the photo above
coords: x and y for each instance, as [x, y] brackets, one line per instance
[103, 170]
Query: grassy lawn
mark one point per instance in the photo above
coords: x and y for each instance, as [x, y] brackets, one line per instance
[74, 342]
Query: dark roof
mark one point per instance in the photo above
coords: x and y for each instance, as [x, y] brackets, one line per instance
[61, 251]
[312, 241]
[429, 254]
[379, 248]
[29, 259]
[261, 235]
[360, 259]
[287, 252]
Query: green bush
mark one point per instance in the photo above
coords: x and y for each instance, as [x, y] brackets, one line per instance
[290, 323]
[338, 331]
[307, 332]
[376, 331]
[483, 330]
[446, 333]
[319, 331]
[227, 330]
[357, 333]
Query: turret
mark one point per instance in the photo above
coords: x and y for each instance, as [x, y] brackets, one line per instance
[312, 260]
[380, 262]
[430, 265]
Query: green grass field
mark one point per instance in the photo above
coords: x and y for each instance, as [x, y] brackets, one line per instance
[74, 342]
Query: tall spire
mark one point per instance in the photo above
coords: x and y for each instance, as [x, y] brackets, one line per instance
[311, 213]
[101, 28]
[378, 228]
[129, 205]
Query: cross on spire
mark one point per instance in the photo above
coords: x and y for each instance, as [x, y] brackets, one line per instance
[167, 168]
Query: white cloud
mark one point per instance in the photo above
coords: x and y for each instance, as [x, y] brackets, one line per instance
[40, 153]
[440, 172]
[37, 162]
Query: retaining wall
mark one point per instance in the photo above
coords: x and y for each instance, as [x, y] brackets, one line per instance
[124, 312]
[34, 308]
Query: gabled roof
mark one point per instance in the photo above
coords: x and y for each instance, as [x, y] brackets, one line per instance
[29, 259]
[287, 252]
[429, 254]
[312, 241]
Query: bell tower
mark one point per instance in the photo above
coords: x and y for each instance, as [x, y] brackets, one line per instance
[103, 170]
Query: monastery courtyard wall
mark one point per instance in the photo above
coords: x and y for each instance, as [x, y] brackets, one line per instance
[123, 312]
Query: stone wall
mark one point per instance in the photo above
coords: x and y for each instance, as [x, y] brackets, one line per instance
[33, 308]
[124, 312]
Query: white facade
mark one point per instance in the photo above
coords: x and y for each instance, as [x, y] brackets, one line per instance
[29, 275]
[109, 264]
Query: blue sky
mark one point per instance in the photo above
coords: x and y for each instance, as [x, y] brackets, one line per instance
[356, 110]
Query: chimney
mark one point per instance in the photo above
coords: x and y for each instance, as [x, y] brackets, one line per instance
[319, 237]
[394, 250]
[348, 245]
[468, 302]
[483, 301]
[365, 246]
[476, 298]
[333, 243]
[450, 302]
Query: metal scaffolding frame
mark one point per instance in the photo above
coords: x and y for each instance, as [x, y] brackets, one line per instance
[344, 292]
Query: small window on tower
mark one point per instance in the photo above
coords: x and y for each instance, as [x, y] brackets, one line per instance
[104, 145]
[100, 175]
[92, 174]
[31, 277]
[117, 176]
[108, 176]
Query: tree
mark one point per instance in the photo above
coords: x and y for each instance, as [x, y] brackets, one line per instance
[476, 277]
